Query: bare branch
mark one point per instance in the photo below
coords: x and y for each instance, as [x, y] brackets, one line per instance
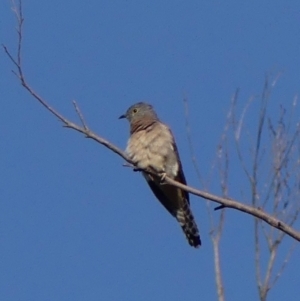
[215, 230]
[80, 115]
[226, 202]
[238, 125]
[283, 265]
[190, 143]
[219, 281]
[279, 189]
[257, 256]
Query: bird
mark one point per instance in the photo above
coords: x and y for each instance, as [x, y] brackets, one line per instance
[151, 147]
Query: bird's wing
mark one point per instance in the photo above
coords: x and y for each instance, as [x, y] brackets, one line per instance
[174, 199]
[171, 197]
[168, 195]
[180, 175]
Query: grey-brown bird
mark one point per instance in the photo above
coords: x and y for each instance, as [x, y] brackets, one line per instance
[151, 146]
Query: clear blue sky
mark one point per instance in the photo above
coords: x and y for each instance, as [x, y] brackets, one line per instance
[75, 224]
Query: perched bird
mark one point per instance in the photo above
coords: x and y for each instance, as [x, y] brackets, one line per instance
[151, 146]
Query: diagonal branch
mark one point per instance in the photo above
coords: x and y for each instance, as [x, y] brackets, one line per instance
[224, 202]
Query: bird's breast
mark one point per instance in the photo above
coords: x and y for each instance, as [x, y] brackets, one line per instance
[153, 148]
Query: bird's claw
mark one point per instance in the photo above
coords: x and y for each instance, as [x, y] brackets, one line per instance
[162, 178]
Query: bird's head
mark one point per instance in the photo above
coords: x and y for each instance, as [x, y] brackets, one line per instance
[138, 112]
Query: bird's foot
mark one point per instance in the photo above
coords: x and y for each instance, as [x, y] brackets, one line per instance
[162, 178]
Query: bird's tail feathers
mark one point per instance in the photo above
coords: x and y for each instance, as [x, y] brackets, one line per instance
[187, 222]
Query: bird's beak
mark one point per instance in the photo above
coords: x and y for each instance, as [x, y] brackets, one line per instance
[122, 116]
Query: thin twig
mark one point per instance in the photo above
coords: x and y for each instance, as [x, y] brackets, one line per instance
[215, 231]
[80, 115]
[286, 260]
[190, 142]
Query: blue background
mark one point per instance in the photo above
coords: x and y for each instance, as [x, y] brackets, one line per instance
[74, 223]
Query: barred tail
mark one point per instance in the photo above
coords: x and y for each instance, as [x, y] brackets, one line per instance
[187, 222]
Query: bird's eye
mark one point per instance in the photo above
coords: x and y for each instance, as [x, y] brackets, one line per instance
[134, 111]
